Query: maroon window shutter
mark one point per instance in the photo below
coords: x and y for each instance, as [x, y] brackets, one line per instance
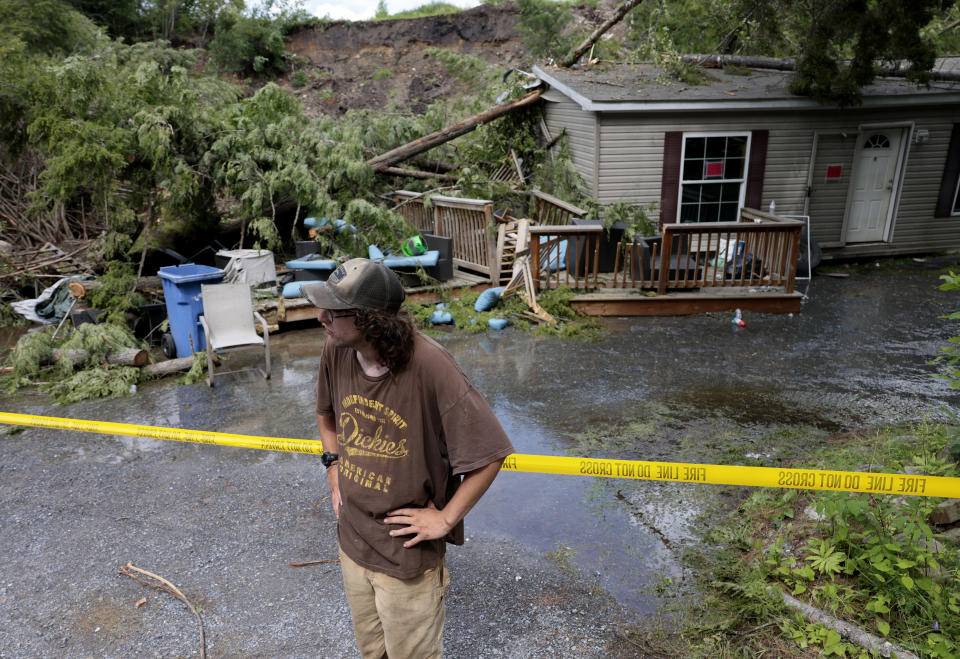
[670, 178]
[951, 173]
[758, 162]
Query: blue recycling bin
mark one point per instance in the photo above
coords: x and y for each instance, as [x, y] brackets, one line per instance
[181, 292]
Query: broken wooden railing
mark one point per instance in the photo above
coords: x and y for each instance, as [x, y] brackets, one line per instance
[468, 222]
[550, 210]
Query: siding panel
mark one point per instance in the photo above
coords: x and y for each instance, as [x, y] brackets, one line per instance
[630, 163]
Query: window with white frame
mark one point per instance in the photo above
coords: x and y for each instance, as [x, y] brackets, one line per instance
[713, 176]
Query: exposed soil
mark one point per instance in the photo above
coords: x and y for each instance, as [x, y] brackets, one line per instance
[373, 64]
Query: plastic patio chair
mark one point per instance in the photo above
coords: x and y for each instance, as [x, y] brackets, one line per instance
[227, 322]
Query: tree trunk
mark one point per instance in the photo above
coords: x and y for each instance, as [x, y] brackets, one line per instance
[416, 173]
[622, 11]
[169, 366]
[384, 160]
[788, 64]
[123, 357]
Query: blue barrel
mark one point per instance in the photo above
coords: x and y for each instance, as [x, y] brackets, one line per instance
[181, 292]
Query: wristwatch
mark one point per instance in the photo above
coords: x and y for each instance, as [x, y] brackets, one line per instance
[327, 459]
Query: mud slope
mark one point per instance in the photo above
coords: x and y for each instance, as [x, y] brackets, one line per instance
[357, 65]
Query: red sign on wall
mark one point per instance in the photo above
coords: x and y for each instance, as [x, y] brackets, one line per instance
[715, 169]
[834, 172]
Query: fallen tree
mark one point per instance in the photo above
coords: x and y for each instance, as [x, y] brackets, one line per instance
[790, 64]
[578, 52]
[401, 153]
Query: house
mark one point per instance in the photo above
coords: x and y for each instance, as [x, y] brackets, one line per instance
[875, 180]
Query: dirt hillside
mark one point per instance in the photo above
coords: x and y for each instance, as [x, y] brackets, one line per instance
[354, 65]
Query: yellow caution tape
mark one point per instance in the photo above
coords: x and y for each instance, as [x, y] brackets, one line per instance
[802, 479]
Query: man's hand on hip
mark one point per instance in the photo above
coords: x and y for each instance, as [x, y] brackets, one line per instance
[427, 523]
[333, 479]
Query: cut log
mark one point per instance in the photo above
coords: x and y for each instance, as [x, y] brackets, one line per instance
[426, 143]
[124, 357]
[618, 15]
[170, 366]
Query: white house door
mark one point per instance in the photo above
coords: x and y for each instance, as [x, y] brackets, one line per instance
[874, 183]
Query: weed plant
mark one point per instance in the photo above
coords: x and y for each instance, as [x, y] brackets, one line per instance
[557, 302]
[871, 560]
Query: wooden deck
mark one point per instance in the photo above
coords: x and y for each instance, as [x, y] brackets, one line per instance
[635, 302]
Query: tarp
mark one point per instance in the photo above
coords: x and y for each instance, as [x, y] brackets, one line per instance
[248, 266]
[53, 303]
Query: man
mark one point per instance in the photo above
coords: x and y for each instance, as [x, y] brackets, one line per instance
[409, 446]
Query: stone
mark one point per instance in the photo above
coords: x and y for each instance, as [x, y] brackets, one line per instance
[947, 512]
[951, 535]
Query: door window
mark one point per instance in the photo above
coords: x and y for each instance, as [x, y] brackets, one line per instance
[877, 141]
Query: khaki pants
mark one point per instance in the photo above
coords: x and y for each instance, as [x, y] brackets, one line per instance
[396, 618]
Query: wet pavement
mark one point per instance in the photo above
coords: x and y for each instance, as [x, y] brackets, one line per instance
[554, 565]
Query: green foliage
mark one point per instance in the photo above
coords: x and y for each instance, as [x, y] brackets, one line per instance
[45, 26]
[96, 382]
[198, 370]
[513, 308]
[634, 217]
[873, 561]
[26, 358]
[68, 381]
[382, 11]
[542, 24]
[116, 295]
[383, 73]
[96, 341]
[429, 9]
[864, 33]
[298, 79]
[950, 357]
[466, 68]
[248, 44]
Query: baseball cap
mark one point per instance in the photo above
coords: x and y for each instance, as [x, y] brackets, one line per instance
[358, 284]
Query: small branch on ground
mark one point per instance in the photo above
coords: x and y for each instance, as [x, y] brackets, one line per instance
[306, 563]
[129, 570]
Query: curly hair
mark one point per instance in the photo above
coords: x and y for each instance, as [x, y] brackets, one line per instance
[391, 335]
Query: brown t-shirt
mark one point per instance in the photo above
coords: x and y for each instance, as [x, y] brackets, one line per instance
[404, 439]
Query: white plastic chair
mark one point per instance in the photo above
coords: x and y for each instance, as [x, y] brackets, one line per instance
[227, 322]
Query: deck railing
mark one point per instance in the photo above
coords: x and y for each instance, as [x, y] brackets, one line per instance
[759, 250]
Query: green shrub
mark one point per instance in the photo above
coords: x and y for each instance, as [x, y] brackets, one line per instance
[298, 79]
[248, 44]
